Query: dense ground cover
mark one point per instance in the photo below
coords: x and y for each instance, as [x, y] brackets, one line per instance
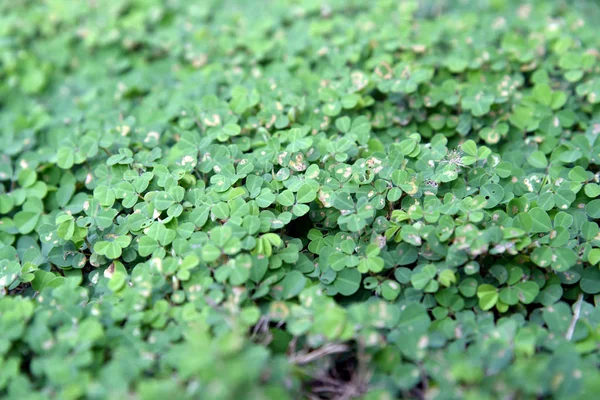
[230, 199]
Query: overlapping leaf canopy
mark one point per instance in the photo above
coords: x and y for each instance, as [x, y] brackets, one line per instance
[229, 199]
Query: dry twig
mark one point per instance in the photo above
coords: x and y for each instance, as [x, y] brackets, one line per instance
[576, 312]
[302, 358]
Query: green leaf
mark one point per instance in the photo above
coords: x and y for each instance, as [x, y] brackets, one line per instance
[537, 159]
[163, 201]
[286, 198]
[146, 246]
[27, 177]
[540, 221]
[420, 279]
[210, 253]
[199, 215]
[42, 279]
[105, 195]
[563, 259]
[527, 291]
[240, 270]
[593, 208]
[306, 194]
[493, 194]
[592, 190]
[220, 235]
[65, 157]
[488, 296]
[550, 295]
[292, 284]
[594, 256]
[25, 221]
[509, 296]
[265, 198]
[590, 281]
[343, 124]
[111, 250]
[390, 290]
[347, 281]
[343, 201]
[470, 148]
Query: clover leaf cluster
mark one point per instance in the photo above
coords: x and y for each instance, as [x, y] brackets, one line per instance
[287, 199]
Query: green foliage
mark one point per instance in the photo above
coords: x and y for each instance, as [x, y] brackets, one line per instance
[230, 199]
